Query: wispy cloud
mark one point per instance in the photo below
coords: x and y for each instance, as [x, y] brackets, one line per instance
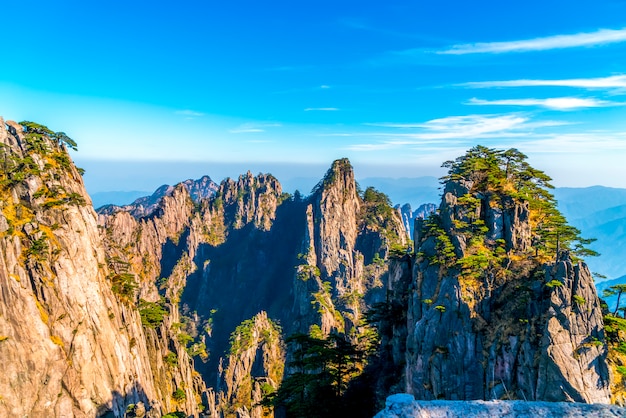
[246, 128]
[557, 103]
[321, 109]
[600, 37]
[189, 113]
[612, 82]
[472, 126]
[453, 131]
[582, 142]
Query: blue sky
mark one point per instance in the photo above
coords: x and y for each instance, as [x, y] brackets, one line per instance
[398, 87]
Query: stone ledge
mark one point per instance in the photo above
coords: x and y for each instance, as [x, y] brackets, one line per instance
[405, 406]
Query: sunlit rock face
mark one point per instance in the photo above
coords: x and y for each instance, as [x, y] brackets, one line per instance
[69, 346]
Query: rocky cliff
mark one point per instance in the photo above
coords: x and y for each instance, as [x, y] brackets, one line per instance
[70, 346]
[315, 262]
[409, 215]
[489, 315]
[183, 301]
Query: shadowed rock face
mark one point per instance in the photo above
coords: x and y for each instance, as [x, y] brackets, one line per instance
[535, 333]
[248, 249]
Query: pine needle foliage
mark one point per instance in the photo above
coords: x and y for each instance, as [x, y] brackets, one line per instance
[507, 178]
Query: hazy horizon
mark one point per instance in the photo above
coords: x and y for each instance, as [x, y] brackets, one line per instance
[147, 176]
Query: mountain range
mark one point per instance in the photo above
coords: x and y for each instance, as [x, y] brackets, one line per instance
[598, 211]
[238, 299]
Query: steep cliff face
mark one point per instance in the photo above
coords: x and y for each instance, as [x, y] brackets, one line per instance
[346, 239]
[254, 367]
[69, 347]
[251, 200]
[409, 216]
[158, 251]
[489, 316]
[187, 255]
[317, 262]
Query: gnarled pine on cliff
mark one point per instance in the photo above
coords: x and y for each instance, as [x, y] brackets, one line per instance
[497, 307]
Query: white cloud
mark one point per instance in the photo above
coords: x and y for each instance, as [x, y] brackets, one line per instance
[324, 86]
[321, 109]
[471, 126]
[454, 131]
[187, 112]
[612, 82]
[600, 37]
[253, 128]
[557, 103]
[583, 142]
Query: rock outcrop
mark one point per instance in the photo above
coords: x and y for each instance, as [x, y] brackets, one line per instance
[409, 216]
[254, 367]
[308, 262]
[69, 346]
[489, 315]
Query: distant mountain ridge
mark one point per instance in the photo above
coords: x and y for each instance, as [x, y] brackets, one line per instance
[119, 198]
[610, 300]
[598, 211]
[201, 188]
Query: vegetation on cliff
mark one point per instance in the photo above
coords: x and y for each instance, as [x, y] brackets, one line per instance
[321, 382]
[496, 270]
[501, 220]
[191, 271]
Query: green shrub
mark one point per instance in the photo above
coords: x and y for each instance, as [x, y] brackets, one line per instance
[124, 285]
[554, 283]
[179, 395]
[76, 199]
[37, 248]
[171, 359]
[184, 339]
[152, 314]
[176, 414]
